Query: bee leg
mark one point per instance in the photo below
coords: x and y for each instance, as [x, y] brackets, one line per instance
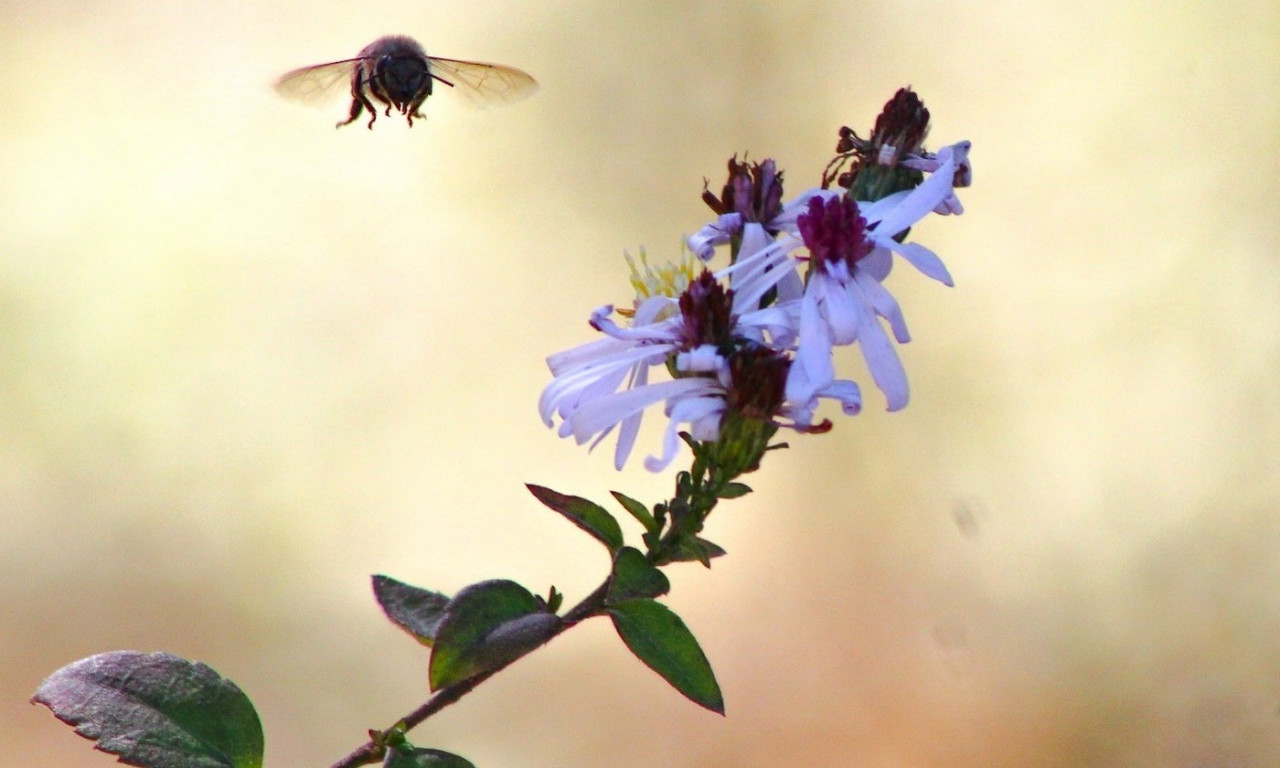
[373, 112]
[412, 110]
[356, 108]
[358, 100]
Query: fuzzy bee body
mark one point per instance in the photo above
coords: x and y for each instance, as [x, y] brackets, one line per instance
[396, 72]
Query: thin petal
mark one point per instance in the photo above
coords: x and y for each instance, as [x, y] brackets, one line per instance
[630, 425]
[882, 360]
[838, 309]
[920, 201]
[922, 259]
[846, 393]
[885, 305]
[603, 412]
[703, 242]
[695, 409]
[812, 368]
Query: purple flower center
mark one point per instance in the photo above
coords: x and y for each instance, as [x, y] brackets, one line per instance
[708, 312]
[835, 233]
[753, 190]
[902, 124]
[759, 376]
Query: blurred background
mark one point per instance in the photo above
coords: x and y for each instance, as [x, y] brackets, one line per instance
[247, 360]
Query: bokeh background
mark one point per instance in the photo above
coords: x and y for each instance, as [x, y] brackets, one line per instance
[247, 360]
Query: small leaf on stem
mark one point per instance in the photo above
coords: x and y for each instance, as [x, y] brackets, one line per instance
[156, 710]
[587, 515]
[634, 576]
[486, 626]
[639, 511]
[692, 548]
[657, 636]
[734, 490]
[415, 610]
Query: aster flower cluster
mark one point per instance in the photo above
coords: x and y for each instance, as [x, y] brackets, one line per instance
[733, 354]
[749, 348]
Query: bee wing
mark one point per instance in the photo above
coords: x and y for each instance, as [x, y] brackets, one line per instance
[483, 84]
[316, 84]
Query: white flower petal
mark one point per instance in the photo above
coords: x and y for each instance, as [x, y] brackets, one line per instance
[630, 425]
[882, 360]
[665, 330]
[786, 220]
[837, 302]
[703, 359]
[695, 409]
[919, 202]
[603, 412]
[703, 242]
[922, 259]
[846, 393]
[879, 298]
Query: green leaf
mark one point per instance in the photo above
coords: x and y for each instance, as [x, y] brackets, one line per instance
[156, 710]
[418, 757]
[693, 548]
[639, 511]
[634, 576]
[587, 515]
[554, 600]
[415, 610]
[486, 626]
[734, 490]
[661, 640]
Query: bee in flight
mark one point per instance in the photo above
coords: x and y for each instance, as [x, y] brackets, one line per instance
[397, 72]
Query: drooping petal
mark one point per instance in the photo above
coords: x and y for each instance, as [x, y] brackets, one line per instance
[845, 392]
[603, 412]
[838, 308]
[630, 426]
[663, 330]
[695, 410]
[878, 263]
[882, 360]
[703, 242]
[594, 378]
[922, 259]
[886, 306]
[812, 368]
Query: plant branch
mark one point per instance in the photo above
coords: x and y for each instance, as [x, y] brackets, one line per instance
[374, 750]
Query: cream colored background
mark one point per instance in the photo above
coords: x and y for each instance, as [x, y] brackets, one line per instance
[246, 360]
